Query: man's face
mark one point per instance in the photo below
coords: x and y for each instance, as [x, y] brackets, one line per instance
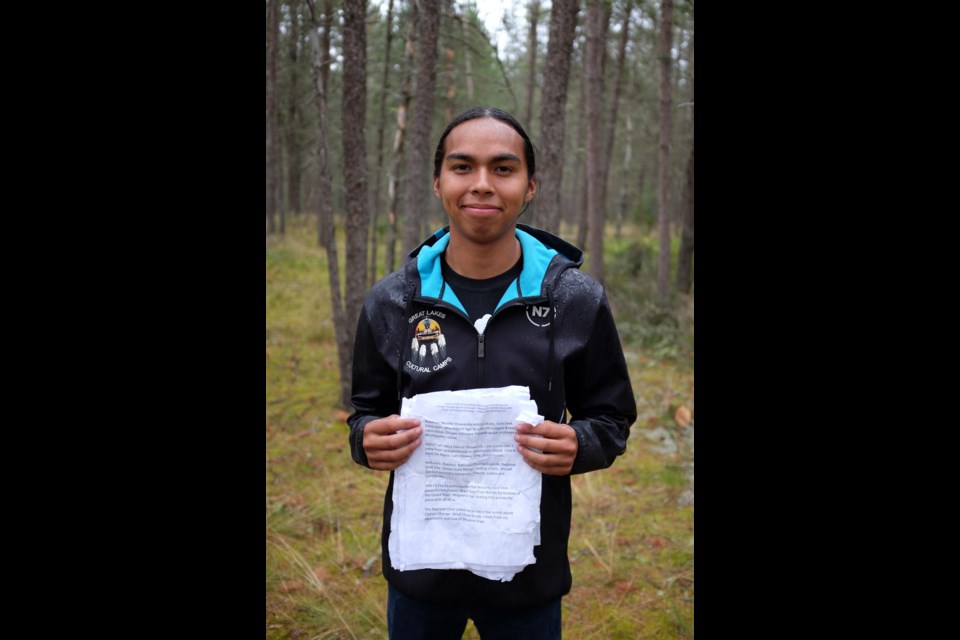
[484, 180]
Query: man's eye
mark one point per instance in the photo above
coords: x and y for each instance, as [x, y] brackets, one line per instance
[504, 170]
[460, 167]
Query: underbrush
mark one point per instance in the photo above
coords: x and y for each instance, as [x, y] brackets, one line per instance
[660, 330]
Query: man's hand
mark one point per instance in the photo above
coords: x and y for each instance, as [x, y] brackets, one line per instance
[558, 442]
[385, 448]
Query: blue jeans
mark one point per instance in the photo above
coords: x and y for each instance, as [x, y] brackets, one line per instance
[411, 619]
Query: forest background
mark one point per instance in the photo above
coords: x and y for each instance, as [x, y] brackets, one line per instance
[357, 93]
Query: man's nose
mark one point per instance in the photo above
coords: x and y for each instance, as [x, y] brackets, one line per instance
[481, 182]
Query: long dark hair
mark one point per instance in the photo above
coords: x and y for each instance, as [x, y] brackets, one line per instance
[487, 112]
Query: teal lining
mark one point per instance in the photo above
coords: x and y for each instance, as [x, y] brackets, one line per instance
[536, 259]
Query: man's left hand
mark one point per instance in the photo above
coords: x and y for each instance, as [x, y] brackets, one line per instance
[558, 442]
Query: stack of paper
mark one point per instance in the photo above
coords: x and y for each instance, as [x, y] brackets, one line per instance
[466, 499]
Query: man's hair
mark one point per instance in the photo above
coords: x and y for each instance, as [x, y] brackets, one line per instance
[487, 112]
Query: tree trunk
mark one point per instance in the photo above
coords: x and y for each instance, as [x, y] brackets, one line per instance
[406, 96]
[624, 176]
[663, 265]
[685, 259]
[506, 77]
[608, 139]
[466, 59]
[642, 189]
[273, 159]
[353, 117]
[325, 227]
[606, 12]
[681, 42]
[376, 203]
[328, 12]
[496, 55]
[417, 189]
[451, 104]
[579, 198]
[594, 134]
[293, 118]
[534, 15]
[553, 109]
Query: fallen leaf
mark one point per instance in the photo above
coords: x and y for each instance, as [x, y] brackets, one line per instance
[623, 586]
[342, 415]
[293, 585]
[333, 446]
[291, 500]
[683, 416]
[657, 542]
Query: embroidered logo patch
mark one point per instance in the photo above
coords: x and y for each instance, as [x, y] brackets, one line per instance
[428, 347]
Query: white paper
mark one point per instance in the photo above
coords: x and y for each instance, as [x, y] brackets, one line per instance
[466, 499]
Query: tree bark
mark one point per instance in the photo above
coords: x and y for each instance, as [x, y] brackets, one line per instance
[506, 77]
[624, 176]
[450, 106]
[448, 10]
[273, 159]
[376, 203]
[685, 259]
[418, 193]
[328, 12]
[466, 59]
[353, 118]
[642, 189]
[293, 118]
[553, 109]
[534, 16]
[393, 191]
[594, 138]
[665, 45]
[608, 138]
[325, 227]
[579, 199]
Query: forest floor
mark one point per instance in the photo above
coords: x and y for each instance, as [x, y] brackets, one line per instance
[632, 538]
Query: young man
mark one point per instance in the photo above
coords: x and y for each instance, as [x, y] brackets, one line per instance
[486, 302]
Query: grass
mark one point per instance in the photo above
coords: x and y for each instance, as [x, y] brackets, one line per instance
[632, 541]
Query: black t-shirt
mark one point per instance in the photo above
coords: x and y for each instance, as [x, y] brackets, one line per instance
[479, 297]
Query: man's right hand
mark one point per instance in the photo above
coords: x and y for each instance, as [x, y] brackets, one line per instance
[385, 448]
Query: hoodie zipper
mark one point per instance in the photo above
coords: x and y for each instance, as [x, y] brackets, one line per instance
[481, 337]
[481, 341]
[480, 358]
[440, 304]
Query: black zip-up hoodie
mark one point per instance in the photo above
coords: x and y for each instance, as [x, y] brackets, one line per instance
[552, 331]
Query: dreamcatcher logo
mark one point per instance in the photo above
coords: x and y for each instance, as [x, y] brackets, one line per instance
[428, 349]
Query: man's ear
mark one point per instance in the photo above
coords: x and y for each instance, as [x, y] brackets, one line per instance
[436, 187]
[531, 190]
